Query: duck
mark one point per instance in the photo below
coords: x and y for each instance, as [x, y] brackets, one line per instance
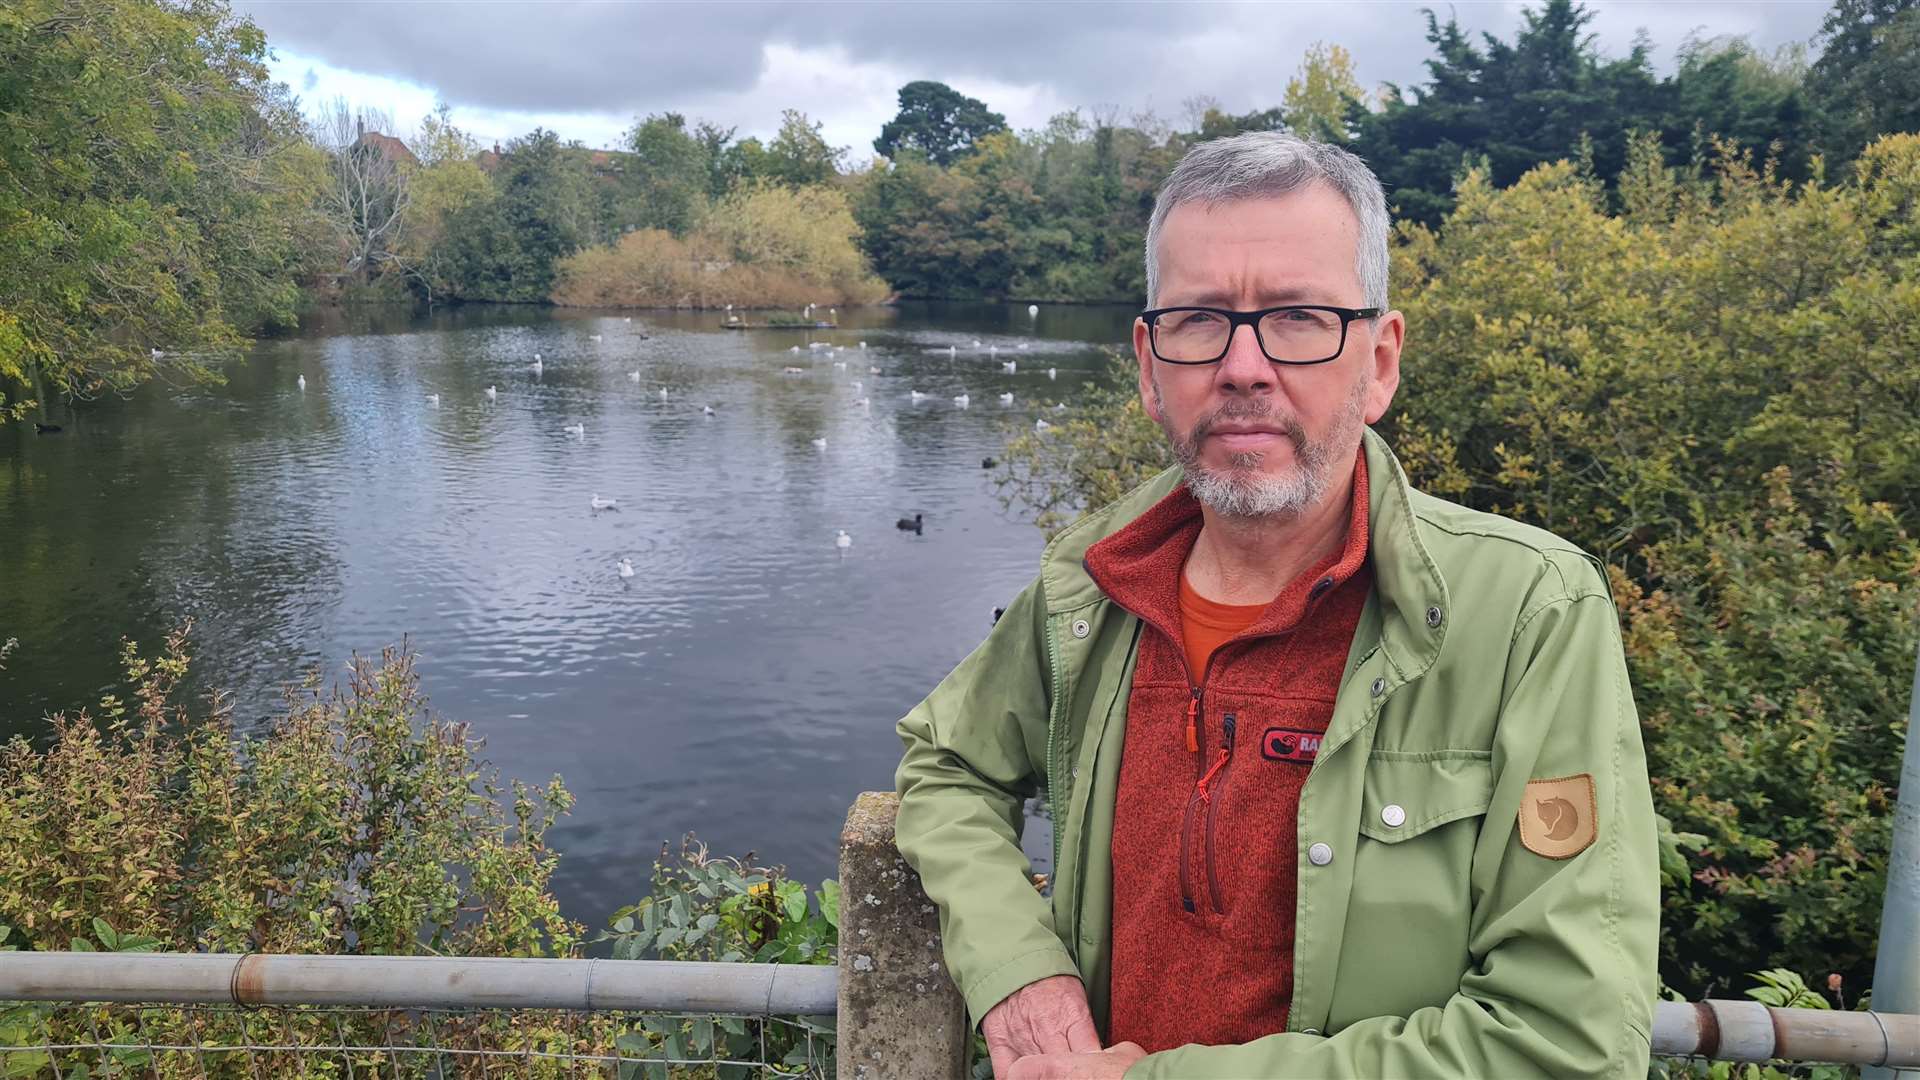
[433, 400]
[492, 394]
[599, 503]
[301, 382]
[843, 541]
[961, 400]
[912, 524]
[1006, 398]
[626, 568]
[988, 463]
[46, 429]
[577, 429]
[155, 354]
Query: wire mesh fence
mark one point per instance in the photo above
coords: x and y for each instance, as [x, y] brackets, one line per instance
[216, 1042]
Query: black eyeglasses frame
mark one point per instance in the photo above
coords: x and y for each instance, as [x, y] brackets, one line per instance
[1237, 319]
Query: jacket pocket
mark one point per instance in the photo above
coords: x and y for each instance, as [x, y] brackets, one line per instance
[1408, 793]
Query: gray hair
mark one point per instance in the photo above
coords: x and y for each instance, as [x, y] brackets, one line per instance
[1269, 164]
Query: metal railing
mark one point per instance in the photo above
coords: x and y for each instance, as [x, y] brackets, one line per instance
[213, 1016]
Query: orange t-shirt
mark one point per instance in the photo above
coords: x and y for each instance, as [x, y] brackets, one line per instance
[1206, 625]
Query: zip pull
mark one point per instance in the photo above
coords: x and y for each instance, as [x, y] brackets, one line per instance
[1193, 722]
[1226, 755]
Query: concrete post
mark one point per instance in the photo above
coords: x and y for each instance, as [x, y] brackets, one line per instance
[1896, 964]
[899, 1013]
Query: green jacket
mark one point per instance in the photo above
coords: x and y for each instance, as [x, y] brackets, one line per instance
[1435, 941]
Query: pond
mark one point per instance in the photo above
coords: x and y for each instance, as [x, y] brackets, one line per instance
[742, 683]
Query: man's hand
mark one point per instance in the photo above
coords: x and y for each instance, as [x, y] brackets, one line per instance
[1045, 1017]
[1106, 1065]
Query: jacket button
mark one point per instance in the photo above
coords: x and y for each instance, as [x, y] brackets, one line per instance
[1434, 615]
[1379, 687]
[1319, 854]
[1080, 628]
[1394, 815]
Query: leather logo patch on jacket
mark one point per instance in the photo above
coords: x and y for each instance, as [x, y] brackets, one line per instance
[1558, 818]
[1290, 744]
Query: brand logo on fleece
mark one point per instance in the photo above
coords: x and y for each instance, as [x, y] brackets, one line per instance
[1288, 744]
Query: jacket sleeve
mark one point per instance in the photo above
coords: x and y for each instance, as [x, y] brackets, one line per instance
[1562, 952]
[975, 750]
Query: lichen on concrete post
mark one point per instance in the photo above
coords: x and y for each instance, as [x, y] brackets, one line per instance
[899, 1013]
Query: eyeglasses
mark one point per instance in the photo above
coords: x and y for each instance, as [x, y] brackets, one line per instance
[1295, 334]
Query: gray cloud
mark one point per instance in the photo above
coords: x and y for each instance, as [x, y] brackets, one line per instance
[627, 59]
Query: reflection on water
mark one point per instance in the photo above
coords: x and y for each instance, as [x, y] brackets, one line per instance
[743, 682]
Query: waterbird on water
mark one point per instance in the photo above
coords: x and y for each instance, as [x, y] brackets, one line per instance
[707, 409]
[794, 370]
[433, 400]
[538, 367]
[863, 344]
[599, 503]
[820, 444]
[492, 394]
[843, 541]
[577, 429]
[1011, 366]
[1006, 398]
[912, 525]
[634, 375]
[46, 429]
[663, 393]
[987, 463]
[916, 395]
[302, 382]
[857, 384]
[1041, 425]
[873, 371]
[1033, 310]
[593, 337]
[961, 400]
[626, 568]
[862, 402]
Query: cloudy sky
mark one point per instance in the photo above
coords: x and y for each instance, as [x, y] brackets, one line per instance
[586, 69]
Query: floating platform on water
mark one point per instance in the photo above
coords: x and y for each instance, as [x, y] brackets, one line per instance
[820, 325]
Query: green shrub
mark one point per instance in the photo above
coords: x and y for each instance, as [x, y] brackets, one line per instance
[357, 823]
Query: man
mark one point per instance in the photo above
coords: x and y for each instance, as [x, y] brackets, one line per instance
[1346, 780]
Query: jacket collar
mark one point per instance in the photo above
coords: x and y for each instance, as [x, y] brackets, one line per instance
[1407, 584]
[1139, 566]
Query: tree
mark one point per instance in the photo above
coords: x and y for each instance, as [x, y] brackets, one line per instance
[154, 190]
[369, 189]
[799, 154]
[448, 182]
[1320, 97]
[1867, 80]
[667, 181]
[505, 248]
[938, 122]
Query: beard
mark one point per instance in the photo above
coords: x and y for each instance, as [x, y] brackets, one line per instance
[1241, 489]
